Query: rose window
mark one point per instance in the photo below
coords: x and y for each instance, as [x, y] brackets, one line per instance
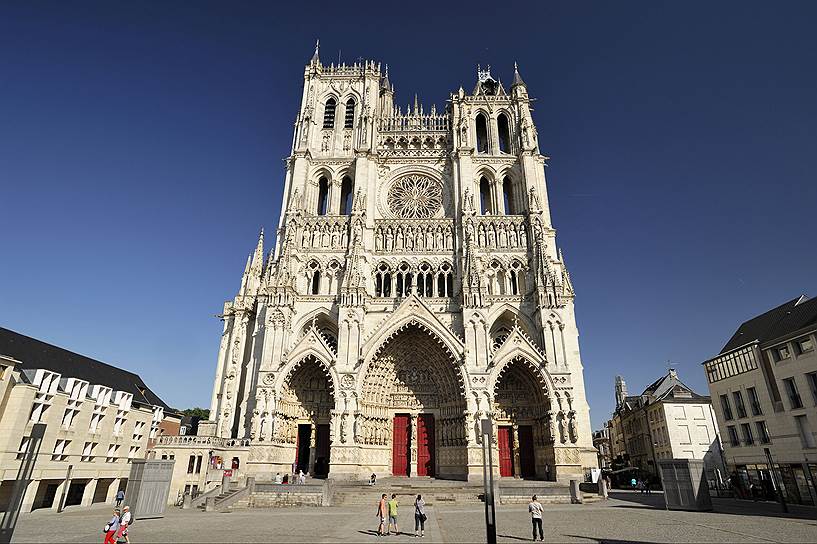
[415, 197]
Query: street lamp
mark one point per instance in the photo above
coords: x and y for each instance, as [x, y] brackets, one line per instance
[488, 480]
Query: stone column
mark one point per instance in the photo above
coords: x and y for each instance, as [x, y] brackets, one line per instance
[517, 470]
[413, 431]
[312, 450]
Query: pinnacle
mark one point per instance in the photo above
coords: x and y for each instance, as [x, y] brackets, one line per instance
[517, 79]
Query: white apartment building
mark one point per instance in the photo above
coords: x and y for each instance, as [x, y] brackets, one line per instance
[667, 421]
[98, 419]
[764, 382]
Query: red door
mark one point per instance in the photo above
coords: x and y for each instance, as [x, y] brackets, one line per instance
[425, 445]
[400, 445]
[527, 465]
[505, 450]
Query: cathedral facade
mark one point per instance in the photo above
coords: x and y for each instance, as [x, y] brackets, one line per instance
[415, 287]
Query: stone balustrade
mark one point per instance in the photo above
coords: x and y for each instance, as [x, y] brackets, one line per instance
[211, 441]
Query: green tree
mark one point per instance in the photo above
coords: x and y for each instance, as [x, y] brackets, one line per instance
[196, 412]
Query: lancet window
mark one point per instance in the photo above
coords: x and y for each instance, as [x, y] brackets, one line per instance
[382, 281]
[404, 277]
[485, 207]
[346, 195]
[323, 196]
[503, 127]
[496, 280]
[504, 280]
[508, 196]
[329, 113]
[424, 280]
[313, 277]
[445, 281]
[333, 277]
[482, 133]
[349, 114]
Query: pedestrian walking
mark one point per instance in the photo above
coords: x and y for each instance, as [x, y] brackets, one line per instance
[301, 477]
[373, 479]
[111, 528]
[393, 515]
[120, 496]
[124, 523]
[536, 511]
[381, 513]
[419, 516]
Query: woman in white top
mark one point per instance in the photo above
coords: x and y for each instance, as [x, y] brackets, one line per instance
[419, 516]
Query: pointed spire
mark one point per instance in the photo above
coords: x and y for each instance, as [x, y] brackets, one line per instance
[316, 59]
[258, 256]
[416, 109]
[246, 275]
[517, 79]
[385, 85]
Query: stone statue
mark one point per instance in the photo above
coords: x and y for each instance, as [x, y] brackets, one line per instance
[572, 428]
[562, 434]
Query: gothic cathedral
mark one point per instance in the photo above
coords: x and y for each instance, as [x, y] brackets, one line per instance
[415, 288]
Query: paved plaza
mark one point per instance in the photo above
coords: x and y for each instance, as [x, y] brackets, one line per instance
[626, 518]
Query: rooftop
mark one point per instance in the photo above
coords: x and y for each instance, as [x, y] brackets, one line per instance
[787, 318]
[34, 354]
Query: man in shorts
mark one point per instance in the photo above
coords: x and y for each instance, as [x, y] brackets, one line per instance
[381, 513]
[393, 514]
[125, 523]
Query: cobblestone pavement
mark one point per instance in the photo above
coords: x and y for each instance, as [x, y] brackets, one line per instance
[625, 518]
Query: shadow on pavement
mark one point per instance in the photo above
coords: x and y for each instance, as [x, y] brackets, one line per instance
[613, 540]
[514, 537]
[734, 507]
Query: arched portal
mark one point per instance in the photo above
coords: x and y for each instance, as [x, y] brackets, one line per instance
[304, 412]
[413, 408]
[522, 413]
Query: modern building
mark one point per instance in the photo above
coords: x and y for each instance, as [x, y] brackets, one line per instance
[415, 288]
[668, 420]
[98, 418]
[764, 382]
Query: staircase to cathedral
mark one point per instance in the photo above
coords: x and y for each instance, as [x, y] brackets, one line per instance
[446, 491]
[225, 499]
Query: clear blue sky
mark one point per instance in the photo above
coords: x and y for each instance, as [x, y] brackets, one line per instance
[141, 149]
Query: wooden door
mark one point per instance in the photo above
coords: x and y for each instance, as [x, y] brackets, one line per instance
[400, 445]
[302, 449]
[322, 450]
[527, 464]
[425, 445]
[505, 440]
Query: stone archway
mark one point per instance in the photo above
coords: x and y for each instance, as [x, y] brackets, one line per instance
[304, 416]
[521, 407]
[413, 408]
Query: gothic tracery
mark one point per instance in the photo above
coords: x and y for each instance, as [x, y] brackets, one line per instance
[416, 267]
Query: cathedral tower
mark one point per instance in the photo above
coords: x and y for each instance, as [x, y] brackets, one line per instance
[414, 289]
